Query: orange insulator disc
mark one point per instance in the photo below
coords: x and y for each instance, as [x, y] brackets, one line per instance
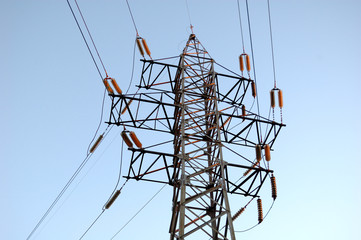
[254, 92]
[140, 47]
[135, 139]
[258, 152]
[126, 139]
[267, 151]
[248, 63]
[241, 63]
[146, 47]
[107, 86]
[272, 95]
[116, 87]
[280, 98]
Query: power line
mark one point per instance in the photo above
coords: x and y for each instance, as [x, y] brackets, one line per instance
[92, 224]
[96, 65]
[189, 16]
[111, 195]
[91, 38]
[82, 34]
[89, 154]
[240, 25]
[138, 211]
[253, 59]
[75, 174]
[100, 121]
[131, 14]
[245, 230]
[133, 63]
[270, 31]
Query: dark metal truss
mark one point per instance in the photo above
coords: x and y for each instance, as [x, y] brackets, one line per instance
[155, 110]
[174, 97]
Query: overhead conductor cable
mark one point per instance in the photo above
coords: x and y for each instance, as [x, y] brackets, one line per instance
[272, 93]
[95, 145]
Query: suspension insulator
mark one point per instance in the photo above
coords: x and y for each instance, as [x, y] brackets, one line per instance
[140, 47]
[258, 152]
[254, 92]
[243, 110]
[239, 212]
[267, 152]
[256, 163]
[274, 187]
[280, 98]
[227, 120]
[273, 102]
[260, 211]
[241, 63]
[145, 47]
[107, 86]
[111, 201]
[250, 169]
[248, 63]
[246, 172]
[126, 107]
[126, 139]
[116, 86]
[135, 139]
[95, 145]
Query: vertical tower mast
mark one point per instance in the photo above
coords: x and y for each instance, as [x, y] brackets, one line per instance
[200, 203]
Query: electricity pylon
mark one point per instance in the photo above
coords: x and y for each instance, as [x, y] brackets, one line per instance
[203, 121]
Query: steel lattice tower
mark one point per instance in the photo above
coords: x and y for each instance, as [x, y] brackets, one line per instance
[200, 196]
[199, 118]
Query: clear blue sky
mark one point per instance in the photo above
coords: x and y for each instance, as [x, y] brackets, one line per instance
[50, 103]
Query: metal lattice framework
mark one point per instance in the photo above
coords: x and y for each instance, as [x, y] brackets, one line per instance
[198, 111]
